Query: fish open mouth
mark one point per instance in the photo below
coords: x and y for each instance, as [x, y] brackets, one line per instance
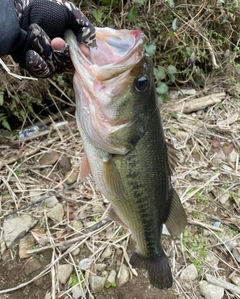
[101, 78]
[116, 52]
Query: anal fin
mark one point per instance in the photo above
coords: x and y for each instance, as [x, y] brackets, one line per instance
[114, 216]
[177, 218]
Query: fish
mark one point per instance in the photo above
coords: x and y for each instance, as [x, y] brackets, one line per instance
[121, 129]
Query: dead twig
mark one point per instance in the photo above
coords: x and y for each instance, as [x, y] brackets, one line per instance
[197, 103]
[223, 283]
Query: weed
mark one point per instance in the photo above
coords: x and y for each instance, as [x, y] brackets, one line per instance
[95, 218]
[196, 246]
[110, 284]
[44, 226]
[202, 199]
[76, 278]
[18, 172]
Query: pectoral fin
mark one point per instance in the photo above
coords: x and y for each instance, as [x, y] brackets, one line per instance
[112, 177]
[84, 168]
[177, 218]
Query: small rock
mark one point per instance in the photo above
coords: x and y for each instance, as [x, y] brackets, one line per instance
[210, 291]
[107, 253]
[77, 225]
[195, 175]
[212, 260]
[56, 213]
[101, 267]
[76, 251]
[182, 135]
[49, 158]
[189, 273]
[98, 209]
[51, 201]
[223, 196]
[71, 177]
[233, 156]
[124, 276]
[232, 244]
[31, 266]
[15, 228]
[64, 272]
[64, 165]
[112, 277]
[219, 157]
[77, 292]
[25, 244]
[39, 282]
[97, 283]
[35, 195]
[236, 253]
[86, 263]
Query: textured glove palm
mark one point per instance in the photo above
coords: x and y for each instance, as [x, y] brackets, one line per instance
[44, 20]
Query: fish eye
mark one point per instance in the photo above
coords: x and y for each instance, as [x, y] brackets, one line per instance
[141, 83]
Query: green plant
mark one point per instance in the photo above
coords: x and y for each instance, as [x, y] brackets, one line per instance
[95, 218]
[76, 278]
[196, 246]
[110, 284]
[18, 172]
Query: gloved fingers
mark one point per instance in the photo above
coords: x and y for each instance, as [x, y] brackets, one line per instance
[36, 65]
[56, 60]
[41, 43]
[82, 28]
[63, 59]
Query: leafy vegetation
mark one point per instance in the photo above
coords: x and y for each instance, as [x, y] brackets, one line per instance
[189, 42]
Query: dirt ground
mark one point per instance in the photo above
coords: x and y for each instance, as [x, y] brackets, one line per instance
[12, 274]
[201, 180]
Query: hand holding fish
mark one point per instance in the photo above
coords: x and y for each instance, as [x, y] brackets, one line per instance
[29, 36]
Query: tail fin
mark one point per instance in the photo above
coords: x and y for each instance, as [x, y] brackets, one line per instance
[159, 272]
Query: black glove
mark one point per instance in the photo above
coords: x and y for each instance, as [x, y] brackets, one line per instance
[44, 20]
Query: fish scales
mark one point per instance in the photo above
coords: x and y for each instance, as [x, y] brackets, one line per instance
[135, 178]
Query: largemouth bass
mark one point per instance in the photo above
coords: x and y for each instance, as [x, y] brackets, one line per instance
[121, 129]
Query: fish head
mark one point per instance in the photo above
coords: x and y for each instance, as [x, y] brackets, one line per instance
[114, 89]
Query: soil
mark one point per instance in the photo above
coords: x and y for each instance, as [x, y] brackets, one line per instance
[212, 224]
[15, 271]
